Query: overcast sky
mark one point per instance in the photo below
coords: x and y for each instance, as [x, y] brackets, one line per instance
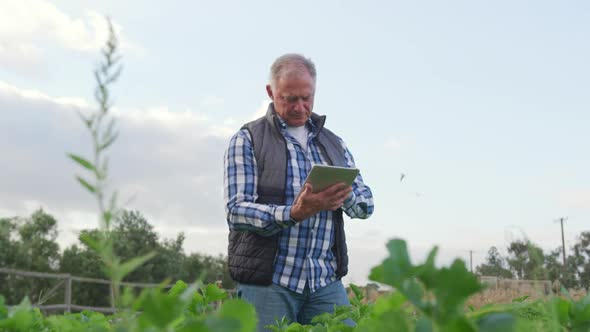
[483, 105]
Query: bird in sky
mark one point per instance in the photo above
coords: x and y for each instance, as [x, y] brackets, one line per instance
[402, 176]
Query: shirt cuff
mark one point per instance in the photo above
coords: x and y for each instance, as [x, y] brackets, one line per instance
[282, 216]
[349, 202]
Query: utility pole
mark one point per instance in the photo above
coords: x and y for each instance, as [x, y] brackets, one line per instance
[471, 260]
[561, 220]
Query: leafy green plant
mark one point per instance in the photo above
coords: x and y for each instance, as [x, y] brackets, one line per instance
[572, 315]
[183, 308]
[437, 294]
[103, 133]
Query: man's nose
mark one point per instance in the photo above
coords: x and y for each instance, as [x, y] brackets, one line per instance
[300, 104]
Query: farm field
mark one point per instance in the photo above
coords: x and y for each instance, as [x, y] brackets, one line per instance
[426, 298]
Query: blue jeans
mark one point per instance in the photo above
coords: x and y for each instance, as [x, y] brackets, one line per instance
[274, 301]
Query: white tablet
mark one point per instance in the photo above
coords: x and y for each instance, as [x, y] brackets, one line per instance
[323, 176]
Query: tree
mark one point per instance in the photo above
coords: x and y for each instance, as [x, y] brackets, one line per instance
[8, 245]
[133, 236]
[581, 264]
[526, 260]
[494, 266]
[28, 244]
[82, 262]
[556, 271]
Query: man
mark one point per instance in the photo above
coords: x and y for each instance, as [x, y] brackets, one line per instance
[287, 248]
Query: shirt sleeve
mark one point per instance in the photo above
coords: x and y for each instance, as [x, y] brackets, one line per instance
[360, 202]
[240, 192]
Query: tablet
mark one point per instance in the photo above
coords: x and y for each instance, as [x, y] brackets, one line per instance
[323, 176]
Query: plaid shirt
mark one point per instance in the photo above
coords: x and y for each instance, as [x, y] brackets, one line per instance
[304, 252]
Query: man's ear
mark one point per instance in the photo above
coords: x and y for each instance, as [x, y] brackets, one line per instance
[269, 92]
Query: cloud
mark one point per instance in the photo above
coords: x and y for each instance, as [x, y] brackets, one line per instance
[25, 58]
[170, 162]
[27, 27]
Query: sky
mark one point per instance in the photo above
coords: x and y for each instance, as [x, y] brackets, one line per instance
[484, 106]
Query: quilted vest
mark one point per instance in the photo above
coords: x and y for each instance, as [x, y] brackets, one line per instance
[251, 256]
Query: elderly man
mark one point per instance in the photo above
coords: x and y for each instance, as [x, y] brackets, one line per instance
[287, 248]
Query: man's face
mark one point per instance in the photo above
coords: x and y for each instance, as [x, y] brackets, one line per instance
[293, 97]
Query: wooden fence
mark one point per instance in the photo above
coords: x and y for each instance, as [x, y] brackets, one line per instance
[66, 279]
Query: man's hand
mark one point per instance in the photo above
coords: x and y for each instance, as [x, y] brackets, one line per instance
[309, 203]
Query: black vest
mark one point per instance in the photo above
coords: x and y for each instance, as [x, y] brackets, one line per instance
[251, 256]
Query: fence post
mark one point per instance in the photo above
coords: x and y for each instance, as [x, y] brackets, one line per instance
[68, 293]
[112, 291]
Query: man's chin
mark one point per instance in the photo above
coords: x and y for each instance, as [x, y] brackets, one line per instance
[296, 122]
[299, 124]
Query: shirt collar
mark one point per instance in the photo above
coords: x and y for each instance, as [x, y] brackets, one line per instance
[283, 124]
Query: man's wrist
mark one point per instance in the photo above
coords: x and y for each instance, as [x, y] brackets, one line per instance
[295, 215]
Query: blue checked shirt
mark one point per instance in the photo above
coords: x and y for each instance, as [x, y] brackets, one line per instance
[304, 252]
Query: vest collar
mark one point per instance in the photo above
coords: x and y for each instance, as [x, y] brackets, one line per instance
[316, 121]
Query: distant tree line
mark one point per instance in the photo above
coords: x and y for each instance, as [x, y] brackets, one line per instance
[526, 260]
[29, 243]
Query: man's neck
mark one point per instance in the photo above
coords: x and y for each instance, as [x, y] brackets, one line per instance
[300, 134]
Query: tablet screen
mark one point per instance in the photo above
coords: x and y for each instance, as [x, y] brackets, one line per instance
[323, 176]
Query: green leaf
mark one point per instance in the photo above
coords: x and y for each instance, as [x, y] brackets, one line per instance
[392, 302]
[107, 216]
[113, 202]
[454, 285]
[424, 325]
[192, 325]
[562, 309]
[222, 324]
[159, 309]
[396, 268]
[295, 327]
[3, 308]
[132, 264]
[520, 299]
[393, 320]
[109, 140]
[103, 169]
[377, 274]
[88, 121]
[82, 162]
[86, 185]
[178, 288]
[460, 324]
[427, 272]
[90, 241]
[413, 291]
[358, 293]
[241, 311]
[580, 311]
[198, 300]
[497, 322]
[213, 293]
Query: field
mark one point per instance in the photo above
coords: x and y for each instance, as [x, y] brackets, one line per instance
[426, 298]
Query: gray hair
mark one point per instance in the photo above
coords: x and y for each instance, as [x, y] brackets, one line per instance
[290, 63]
